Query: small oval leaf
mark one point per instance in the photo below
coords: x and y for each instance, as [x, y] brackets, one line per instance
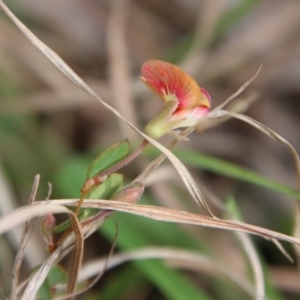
[108, 158]
[104, 191]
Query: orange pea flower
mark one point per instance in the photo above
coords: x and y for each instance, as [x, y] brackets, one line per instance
[189, 102]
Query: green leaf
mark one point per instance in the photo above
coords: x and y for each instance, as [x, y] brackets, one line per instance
[108, 158]
[71, 176]
[48, 288]
[104, 191]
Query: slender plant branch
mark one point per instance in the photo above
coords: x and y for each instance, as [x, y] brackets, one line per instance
[99, 178]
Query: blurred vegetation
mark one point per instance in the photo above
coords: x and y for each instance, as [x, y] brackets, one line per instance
[49, 127]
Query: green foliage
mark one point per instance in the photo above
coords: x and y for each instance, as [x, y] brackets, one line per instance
[56, 276]
[111, 185]
[233, 16]
[226, 22]
[104, 191]
[30, 144]
[71, 176]
[222, 167]
[126, 282]
[108, 158]
[219, 166]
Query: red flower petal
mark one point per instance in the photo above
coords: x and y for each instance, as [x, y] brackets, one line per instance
[171, 83]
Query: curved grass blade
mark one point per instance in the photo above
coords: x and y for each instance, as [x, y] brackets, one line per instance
[56, 276]
[171, 215]
[36, 210]
[73, 77]
[178, 258]
[219, 166]
[171, 283]
[251, 253]
[104, 191]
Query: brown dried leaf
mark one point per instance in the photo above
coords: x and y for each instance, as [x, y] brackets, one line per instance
[176, 216]
[239, 91]
[27, 229]
[23, 214]
[176, 258]
[272, 134]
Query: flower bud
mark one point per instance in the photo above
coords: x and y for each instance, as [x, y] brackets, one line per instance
[47, 227]
[130, 194]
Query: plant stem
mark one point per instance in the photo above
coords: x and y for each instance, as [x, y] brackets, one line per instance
[99, 178]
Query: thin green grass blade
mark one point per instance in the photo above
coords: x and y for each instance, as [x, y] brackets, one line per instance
[219, 166]
[175, 53]
[222, 167]
[233, 16]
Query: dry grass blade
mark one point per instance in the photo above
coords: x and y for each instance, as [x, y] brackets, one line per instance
[255, 265]
[28, 212]
[155, 163]
[242, 104]
[76, 258]
[217, 115]
[24, 240]
[214, 118]
[223, 113]
[49, 53]
[175, 257]
[88, 226]
[242, 88]
[101, 270]
[69, 73]
[252, 255]
[66, 246]
[38, 278]
[271, 134]
[25, 213]
[171, 215]
[189, 181]
[295, 156]
[282, 250]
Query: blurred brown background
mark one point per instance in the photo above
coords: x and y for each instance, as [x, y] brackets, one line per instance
[44, 119]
